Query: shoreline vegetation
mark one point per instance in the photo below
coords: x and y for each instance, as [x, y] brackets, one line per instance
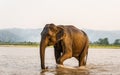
[19, 44]
[105, 46]
[36, 44]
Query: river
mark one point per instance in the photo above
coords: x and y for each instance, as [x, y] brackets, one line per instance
[26, 61]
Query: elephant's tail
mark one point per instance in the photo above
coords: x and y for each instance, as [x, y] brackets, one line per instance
[86, 50]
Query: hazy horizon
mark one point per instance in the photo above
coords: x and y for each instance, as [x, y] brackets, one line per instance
[87, 14]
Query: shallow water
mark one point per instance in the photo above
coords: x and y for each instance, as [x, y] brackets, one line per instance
[25, 61]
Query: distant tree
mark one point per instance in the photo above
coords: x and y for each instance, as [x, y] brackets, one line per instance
[117, 42]
[106, 42]
[102, 41]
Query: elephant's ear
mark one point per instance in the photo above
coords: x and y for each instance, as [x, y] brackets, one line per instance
[60, 33]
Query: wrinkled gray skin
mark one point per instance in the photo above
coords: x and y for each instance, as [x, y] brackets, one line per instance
[68, 41]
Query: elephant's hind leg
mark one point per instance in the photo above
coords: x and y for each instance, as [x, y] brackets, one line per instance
[83, 57]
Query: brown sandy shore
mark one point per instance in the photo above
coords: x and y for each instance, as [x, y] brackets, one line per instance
[25, 61]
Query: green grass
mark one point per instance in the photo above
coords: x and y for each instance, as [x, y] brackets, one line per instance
[105, 46]
[25, 44]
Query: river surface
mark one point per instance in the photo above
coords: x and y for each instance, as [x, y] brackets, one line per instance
[26, 61]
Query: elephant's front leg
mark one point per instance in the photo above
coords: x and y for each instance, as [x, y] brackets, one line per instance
[64, 57]
[57, 52]
[67, 51]
[57, 55]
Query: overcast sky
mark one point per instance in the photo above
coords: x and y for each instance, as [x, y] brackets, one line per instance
[90, 14]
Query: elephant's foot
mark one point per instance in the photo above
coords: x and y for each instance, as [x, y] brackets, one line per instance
[59, 65]
[83, 68]
[62, 66]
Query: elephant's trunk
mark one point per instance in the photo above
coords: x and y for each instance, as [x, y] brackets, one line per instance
[42, 53]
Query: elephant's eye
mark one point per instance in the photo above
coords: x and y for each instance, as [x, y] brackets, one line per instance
[50, 39]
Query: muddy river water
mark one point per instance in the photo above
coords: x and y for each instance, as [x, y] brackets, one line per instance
[25, 61]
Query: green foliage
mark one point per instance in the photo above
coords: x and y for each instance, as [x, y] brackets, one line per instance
[102, 41]
[117, 42]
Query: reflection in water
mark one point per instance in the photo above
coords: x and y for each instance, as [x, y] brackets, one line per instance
[65, 71]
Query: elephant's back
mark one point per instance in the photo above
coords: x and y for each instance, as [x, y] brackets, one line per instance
[74, 30]
[75, 33]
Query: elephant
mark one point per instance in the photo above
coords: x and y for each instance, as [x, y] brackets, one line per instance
[67, 40]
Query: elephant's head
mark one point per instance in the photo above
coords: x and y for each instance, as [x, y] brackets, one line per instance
[50, 35]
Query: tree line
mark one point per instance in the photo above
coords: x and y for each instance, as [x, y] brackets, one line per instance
[100, 41]
[105, 41]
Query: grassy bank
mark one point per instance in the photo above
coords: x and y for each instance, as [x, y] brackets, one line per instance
[20, 44]
[105, 46]
[37, 45]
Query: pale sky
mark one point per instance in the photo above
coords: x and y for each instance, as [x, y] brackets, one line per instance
[89, 14]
